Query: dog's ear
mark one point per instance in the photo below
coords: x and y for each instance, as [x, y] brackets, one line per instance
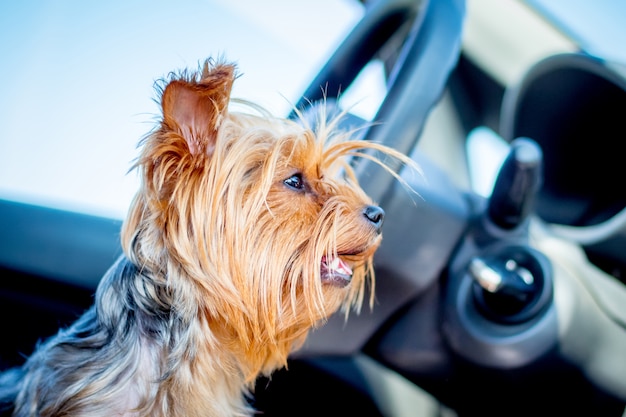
[194, 108]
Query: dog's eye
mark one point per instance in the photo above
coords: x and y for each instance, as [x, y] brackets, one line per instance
[295, 182]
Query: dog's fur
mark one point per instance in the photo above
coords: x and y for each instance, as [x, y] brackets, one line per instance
[236, 245]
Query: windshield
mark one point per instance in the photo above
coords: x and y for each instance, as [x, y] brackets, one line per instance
[598, 27]
[77, 81]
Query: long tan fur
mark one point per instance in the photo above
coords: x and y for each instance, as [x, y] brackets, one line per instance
[225, 265]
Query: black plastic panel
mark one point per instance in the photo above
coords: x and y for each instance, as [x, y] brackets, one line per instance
[574, 106]
[70, 247]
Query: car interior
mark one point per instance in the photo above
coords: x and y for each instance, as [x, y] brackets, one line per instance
[501, 280]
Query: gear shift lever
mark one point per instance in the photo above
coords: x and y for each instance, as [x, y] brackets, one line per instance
[517, 183]
[512, 285]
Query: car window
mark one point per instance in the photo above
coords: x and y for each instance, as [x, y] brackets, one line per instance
[77, 81]
[598, 30]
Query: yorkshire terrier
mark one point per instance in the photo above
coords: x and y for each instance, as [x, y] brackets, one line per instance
[247, 232]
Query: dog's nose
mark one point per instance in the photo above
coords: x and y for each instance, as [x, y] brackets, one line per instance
[375, 215]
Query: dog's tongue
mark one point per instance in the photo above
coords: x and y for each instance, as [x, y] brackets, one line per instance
[337, 265]
[335, 271]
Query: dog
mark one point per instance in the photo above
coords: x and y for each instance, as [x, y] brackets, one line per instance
[247, 232]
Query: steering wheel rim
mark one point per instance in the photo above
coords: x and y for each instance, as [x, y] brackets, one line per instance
[430, 36]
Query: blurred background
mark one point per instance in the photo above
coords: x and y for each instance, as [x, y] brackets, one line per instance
[77, 81]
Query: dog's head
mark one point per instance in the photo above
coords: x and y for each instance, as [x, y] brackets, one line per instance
[258, 221]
